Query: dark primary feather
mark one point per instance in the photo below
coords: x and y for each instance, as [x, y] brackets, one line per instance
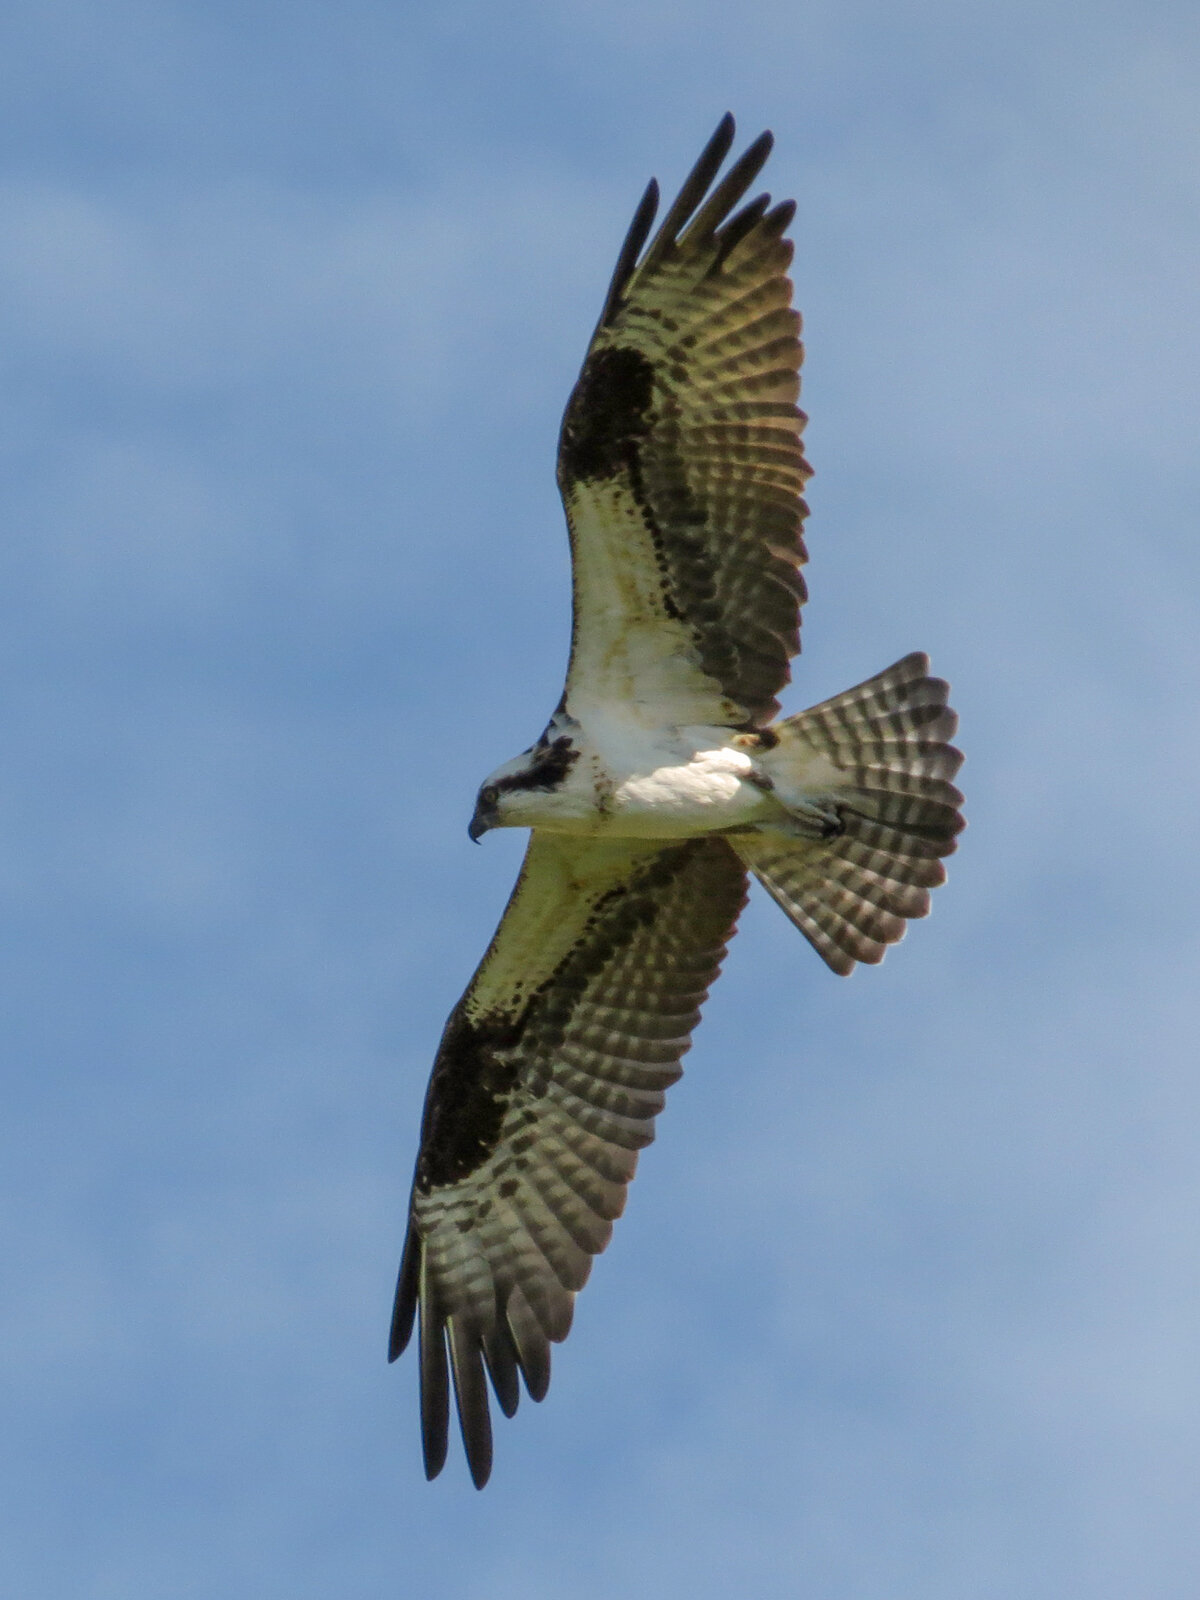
[639, 231]
[680, 449]
[695, 185]
[539, 1102]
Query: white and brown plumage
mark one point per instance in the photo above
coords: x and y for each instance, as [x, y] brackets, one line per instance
[660, 779]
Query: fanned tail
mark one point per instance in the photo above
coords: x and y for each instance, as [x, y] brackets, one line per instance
[867, 779]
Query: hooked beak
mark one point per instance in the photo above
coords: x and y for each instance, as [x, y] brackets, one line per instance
[479, 824]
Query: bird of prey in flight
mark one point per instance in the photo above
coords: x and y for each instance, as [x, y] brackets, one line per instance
[663, 778]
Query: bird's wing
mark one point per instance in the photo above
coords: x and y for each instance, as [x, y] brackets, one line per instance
[546, 1085]
[680, 461]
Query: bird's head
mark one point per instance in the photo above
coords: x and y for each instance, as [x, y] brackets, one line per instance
[486, 815]
[524, 789]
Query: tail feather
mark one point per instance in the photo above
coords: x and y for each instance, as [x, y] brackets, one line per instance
[867, 777]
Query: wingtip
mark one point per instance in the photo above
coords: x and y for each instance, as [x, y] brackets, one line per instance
[719, 146]
[779, 218]
[639, 232]
[404, 1306]
[727, 128]
[435, 1384]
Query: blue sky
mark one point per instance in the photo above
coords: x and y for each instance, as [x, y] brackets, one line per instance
[906, 1301]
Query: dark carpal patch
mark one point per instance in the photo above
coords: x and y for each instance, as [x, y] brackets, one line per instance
[608, 429]
[607, 414]
[481, 1064]
[607, 423]
[473, 1077]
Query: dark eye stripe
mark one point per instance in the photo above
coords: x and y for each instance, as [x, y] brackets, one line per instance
[547, 772]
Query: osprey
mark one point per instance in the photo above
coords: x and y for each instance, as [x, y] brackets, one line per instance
[662, 779]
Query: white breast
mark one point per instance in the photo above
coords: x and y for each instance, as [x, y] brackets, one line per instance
[672, 784]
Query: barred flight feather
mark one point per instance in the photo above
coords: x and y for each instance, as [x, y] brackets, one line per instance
[512, 1241]
[701, 450]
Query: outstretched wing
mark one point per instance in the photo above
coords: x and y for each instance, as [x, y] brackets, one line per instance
[546, 1085]
[680, 462]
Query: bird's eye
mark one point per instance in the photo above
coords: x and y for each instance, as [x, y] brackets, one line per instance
[489, 794]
